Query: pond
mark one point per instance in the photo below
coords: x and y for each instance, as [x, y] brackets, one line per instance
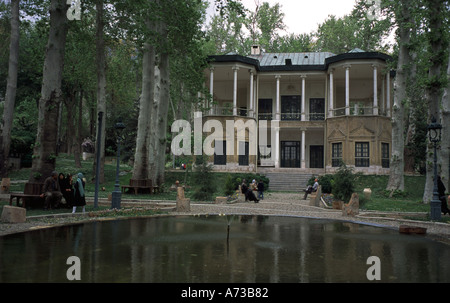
[260, 249]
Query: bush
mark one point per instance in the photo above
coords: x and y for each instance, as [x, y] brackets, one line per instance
[325, 183]
[343, 184]
[203, 180]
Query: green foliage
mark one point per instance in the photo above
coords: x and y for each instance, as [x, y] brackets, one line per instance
[203, 180]
[343, 184]
[326, 182]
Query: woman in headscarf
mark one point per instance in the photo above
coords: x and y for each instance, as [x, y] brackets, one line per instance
[79, 196]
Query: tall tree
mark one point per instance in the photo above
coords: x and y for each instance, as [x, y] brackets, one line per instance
[403, 15]
[45, 147]
[437, 36]
[101, 86]
[11, 88]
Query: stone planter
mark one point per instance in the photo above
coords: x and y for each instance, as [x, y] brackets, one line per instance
[338, 205]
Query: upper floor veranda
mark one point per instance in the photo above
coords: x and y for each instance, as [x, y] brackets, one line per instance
[300, 87]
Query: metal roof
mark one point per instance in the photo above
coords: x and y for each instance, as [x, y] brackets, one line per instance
[283, 59]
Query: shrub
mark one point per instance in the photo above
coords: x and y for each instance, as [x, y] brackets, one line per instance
[326, 183]
[343, 185]
[203, 180]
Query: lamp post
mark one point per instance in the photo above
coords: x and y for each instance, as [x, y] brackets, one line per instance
[434, 134]
[117, 193]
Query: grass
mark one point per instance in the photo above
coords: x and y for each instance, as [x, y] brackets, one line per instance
[408, 201]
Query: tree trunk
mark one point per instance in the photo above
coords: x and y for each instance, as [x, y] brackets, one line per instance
[153, 140]
[11, 87]
[70, 103]
[78, 139]
[445, 143]
[163, 109]
[436, 10]
[51, 94]
[101, 89]
[140, 167]
[396, 176]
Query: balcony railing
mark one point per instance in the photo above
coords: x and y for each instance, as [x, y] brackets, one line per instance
[293, 116]
[227, 111]
[358, 111]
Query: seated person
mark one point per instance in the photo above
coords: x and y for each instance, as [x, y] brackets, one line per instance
[311, 189]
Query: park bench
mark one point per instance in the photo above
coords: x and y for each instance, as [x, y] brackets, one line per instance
[145, 185]
[31, 193]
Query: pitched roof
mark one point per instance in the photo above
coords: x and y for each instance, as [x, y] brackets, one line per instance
[305, 61]
[282, 59]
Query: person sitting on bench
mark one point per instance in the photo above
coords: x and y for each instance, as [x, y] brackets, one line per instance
[311, 189]
[51, 191]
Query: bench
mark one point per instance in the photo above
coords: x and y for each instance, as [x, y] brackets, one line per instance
[31, 193]
[138, 184]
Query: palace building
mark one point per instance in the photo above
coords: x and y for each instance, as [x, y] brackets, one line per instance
[318, 110]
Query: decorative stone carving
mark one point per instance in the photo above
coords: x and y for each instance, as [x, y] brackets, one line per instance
[352, 207]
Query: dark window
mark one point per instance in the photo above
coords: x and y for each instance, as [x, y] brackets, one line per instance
[317, 109]
[290, 154]
[243, 153]
[336, 154]
[385, 158]
[291, 108]
[362, 154]
[265, 109]
[220, 152]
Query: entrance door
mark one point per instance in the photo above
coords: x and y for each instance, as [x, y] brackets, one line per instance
[290, 154]
[316, 156]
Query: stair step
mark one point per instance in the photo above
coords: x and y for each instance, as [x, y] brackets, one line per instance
[288, 181]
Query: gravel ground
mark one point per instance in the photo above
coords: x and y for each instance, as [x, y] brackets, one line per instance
[284, 204]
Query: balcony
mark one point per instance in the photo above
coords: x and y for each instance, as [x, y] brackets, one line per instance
[359, 111]
[293, 117]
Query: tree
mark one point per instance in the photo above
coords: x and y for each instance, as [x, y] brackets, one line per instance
[10, 97]
[404, 20]
[436, 16]
[51, 94]
[101, 86]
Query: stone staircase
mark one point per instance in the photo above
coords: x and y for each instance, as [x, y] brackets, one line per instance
[283, 181]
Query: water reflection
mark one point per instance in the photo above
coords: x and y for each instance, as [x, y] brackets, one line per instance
[221, 249]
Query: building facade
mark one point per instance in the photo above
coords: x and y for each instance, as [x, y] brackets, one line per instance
[316, 110]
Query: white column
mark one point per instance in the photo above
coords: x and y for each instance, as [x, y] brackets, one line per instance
[251, 105]
[209, 102]
[388, 93]
[303, 98]
[331, 105]
[375, 90]
[383, 95]
[277, 146]
[303, 156]
[347, 90]
[278, 106]
[235, 69]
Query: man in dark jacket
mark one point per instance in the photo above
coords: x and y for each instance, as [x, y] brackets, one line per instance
[52, 191]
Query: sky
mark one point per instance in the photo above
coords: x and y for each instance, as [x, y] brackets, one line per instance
[303, 16]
